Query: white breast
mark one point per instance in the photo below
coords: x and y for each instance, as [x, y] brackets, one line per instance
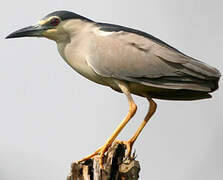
[75, 55]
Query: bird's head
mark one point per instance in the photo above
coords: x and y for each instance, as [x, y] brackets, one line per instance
[54, 26]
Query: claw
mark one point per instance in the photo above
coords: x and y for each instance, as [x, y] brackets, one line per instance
[90, 156]
[101, 151]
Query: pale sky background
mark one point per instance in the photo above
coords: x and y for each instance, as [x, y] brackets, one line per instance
[51, 116]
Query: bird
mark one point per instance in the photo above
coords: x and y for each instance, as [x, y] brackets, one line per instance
[129, 61]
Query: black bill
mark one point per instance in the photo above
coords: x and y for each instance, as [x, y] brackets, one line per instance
[30, 31]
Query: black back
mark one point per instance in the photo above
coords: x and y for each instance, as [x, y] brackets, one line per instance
[65, 15]
[117, 28]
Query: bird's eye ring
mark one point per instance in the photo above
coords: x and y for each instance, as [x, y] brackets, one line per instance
[54, 21]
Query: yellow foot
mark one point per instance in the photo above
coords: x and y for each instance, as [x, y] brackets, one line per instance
[101, 151]
[128, 145]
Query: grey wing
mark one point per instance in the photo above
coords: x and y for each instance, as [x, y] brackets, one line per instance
[131, 57]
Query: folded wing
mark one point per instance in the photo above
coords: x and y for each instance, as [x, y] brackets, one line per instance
[131, 56]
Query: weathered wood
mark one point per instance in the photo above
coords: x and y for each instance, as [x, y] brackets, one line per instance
[116, 167]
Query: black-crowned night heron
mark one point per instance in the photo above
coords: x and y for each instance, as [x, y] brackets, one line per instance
[127, 60]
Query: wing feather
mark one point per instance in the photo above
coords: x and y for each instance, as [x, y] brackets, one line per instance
[131, 57]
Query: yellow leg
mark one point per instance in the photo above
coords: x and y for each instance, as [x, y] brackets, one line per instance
[130, 142]
[110, 140]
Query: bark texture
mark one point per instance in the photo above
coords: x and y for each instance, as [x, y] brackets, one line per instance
[116, 167]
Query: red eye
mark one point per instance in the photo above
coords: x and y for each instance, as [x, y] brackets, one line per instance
[54, 21]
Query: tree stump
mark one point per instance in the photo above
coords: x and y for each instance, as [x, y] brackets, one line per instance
[116, 167]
